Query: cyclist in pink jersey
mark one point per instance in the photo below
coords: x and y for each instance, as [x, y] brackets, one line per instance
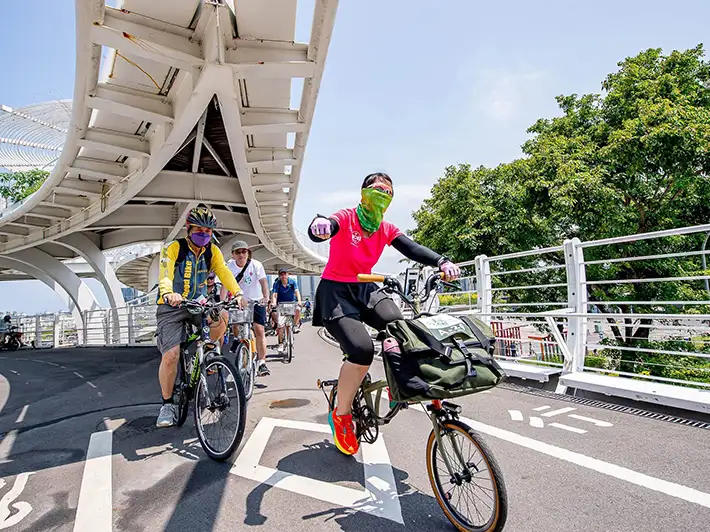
[358, 237]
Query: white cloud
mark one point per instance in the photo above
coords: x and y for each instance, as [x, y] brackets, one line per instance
[500, 93]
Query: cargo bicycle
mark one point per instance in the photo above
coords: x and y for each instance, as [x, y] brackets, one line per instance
[456, 456]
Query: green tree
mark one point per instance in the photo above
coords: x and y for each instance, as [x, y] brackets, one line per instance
[16, 186]
[635, 158]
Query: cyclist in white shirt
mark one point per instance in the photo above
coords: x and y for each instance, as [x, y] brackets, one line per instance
[251, 277]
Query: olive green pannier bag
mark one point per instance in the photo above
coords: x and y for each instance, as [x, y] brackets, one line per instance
[441, 357]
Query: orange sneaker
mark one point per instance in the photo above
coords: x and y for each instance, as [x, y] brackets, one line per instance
[343, 433]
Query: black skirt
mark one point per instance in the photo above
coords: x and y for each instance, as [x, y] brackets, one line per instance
[335, 300]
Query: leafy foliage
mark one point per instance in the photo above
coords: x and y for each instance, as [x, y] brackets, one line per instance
[633, 159]
[17, 186]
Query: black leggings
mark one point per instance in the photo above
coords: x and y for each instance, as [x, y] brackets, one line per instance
[354, 339]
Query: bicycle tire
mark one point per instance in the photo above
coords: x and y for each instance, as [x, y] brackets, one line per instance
[181, 396]
[498, 519]
[247, 369]
[211, 359]
[289, 345]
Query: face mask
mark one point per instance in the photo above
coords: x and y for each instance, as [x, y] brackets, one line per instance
[372, 208]
[200, 239]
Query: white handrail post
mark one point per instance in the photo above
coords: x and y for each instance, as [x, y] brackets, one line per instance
[56, 331]
[131, 339]
[483, 286]
[85, 332]
[577, 300]
[38, 332]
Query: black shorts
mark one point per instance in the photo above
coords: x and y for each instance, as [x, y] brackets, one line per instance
[260, 315]
[335, 300]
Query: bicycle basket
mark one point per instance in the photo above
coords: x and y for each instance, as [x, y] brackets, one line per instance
[242, 315]
[287, 309]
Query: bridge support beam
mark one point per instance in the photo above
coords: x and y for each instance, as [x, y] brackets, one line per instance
[40, 275]
[85, 247]
[80, 293]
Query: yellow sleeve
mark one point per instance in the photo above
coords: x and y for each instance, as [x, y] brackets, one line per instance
[219, 267]
[168, 256]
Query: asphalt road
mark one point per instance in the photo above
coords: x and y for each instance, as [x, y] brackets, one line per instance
[568, 466]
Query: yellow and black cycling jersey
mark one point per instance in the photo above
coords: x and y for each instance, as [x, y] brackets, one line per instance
[184, 269]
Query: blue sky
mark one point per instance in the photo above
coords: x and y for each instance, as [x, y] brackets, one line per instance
[408, 88]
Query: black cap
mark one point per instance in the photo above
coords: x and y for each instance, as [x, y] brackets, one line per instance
[283, 270]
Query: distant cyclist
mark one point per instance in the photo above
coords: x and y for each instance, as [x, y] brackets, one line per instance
[251, 277]
[358, 237]
[184, 266]
[213, 288]
[285, 290]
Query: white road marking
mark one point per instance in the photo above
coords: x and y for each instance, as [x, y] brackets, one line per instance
[536, 422]
[640, 479]
[78, 375]
[52, 364]
[568, 428]
[63, 367]
[22, 508]
[516, 415]
[21, 417]
[559, 411]
[94, 512]
[380, 497]
[541, 408]
[91, 384]
[591, 420]
[6, 446]
[13, 371]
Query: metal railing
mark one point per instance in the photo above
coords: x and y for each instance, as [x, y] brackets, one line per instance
[631, 307]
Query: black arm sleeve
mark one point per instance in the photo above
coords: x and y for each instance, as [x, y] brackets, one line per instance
[334, 228]
[416, 252]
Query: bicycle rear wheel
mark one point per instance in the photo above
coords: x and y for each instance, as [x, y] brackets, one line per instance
[477, 480]
[220, 406]
[181, 397]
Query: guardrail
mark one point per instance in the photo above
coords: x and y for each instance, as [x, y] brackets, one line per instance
[627, 316]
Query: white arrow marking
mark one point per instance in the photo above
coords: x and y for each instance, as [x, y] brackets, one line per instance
[516, 415]
[592, 420]
[23, 508]
[568, 428]
[558, 412]
[536, 422]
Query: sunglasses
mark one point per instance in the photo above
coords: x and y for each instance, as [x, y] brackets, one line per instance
[382, 187]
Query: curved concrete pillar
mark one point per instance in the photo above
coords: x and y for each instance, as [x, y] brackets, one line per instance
[90, 252]
[59, 272]
[6, 262]
[153, 272]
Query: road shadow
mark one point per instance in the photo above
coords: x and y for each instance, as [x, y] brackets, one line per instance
[322, 461]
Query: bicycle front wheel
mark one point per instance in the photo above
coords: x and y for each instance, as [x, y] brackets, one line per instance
[289, 344]
[220, 408]
[472, 495]
[247, 369]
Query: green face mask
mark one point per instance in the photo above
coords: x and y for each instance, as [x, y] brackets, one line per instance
[372, 208]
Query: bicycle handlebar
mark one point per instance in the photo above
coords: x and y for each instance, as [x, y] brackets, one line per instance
[370, 278]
